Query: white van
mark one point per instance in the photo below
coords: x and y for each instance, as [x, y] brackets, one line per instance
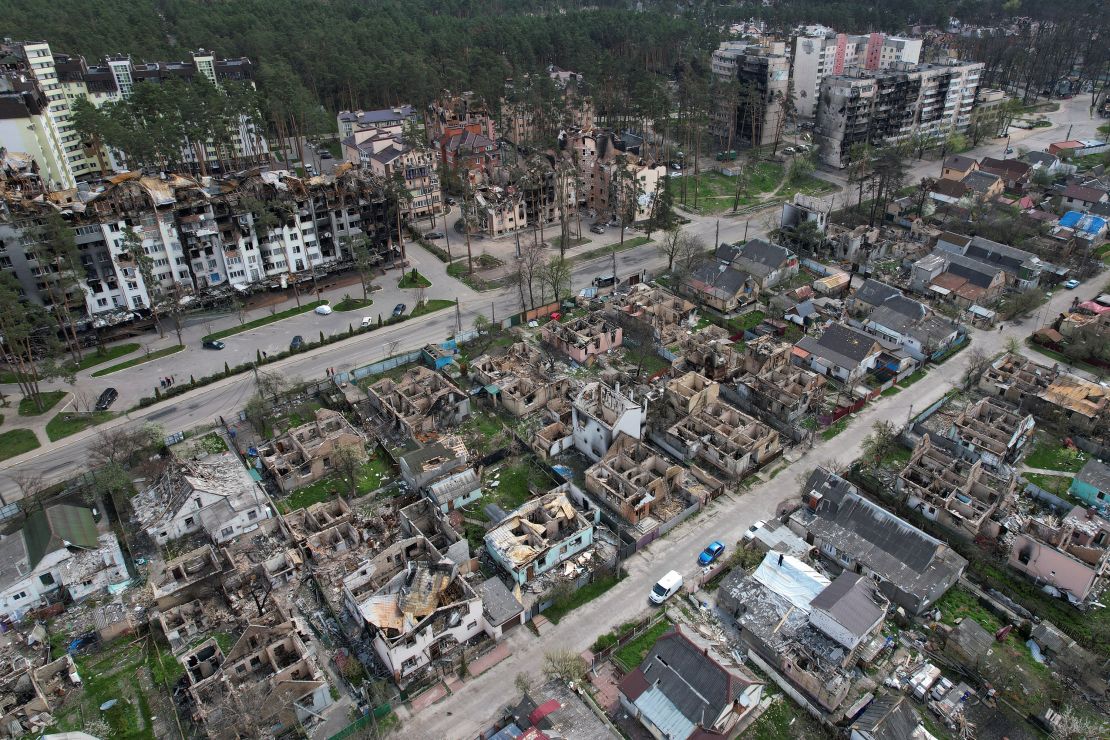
[667, 587]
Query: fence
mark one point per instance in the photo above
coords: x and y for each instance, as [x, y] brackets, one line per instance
[629, 635]
[366, 720]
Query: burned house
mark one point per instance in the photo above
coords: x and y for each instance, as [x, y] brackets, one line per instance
[538, 536]
[583, 338]
[691, 392]
[952, 491]
[1016, 379]
[440, 472]
[710, 353]
[29, 695]
[780, 389]
[1069, 553]
[303, 455]
[809, 629]
[644, 488]
[598, 414]
[1080, 401]
[415, 605]
[667, 316]
[991, 431]
[183, 623]
[912, 569]
[216, 495]
[269, 680]
[725, 438]
[517, 380]
[195, 574]
[424, 519]
[421, 404]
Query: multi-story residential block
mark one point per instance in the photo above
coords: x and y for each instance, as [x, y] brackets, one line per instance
[886, 106]
[65, 79]
[824, 53]
[27, 128]
[749, 107]
[386, 152]
[392, 120]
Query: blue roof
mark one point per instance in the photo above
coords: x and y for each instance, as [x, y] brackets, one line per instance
[1083, 222]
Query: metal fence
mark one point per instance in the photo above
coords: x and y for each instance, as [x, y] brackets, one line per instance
[366, 720]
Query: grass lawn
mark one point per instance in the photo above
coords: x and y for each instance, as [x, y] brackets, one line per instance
[606, 251]
[835, 429]
[891, 391]
[71, 422]
[353, 304]
[109, 353]
[16, 442]
[413, 279]
[1049, 454]
[574, 241]
[139, 360]
[512, 489]
[652, 363]
[49, 400]
[375, 473]
[584, 595]
[911, 379]
[784, 720]
[263, 321]
[634, 652]
[430, 306]
[1054, 484]
[746, 322]
[212, 444]
[811, 185]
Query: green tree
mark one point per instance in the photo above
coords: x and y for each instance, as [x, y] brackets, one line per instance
[134, 257]
[33, 349]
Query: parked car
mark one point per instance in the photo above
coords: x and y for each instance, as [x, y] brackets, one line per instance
[788, 150]
[1009, 150]
[399, 309]
[323, 310]
[1071, 284]
[667, 587]
[598, 228]
[451, 201]
[297, 343]
[326, 155]
[366, 320]
[750, 533]
[107, 398]
[434, 235]
[711, 553]
[212, 344]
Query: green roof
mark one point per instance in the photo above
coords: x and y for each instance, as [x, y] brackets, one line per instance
[51, 529]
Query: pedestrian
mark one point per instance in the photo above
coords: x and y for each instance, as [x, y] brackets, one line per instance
[264, 355]
[162, 382]
[173, 380]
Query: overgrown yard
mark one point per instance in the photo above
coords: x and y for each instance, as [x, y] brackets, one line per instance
[1054, 484]
[375, 474]
[48, 399]
[16, 442]
[263, 321]
[835, 428]
[584, 595]
[1049, 454]
[716, 193]
[784, 720]
[71, 422]
[633, 653]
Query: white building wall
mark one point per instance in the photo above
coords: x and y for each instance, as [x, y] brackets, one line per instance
[471, 625]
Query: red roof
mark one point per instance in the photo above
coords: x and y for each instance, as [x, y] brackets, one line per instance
[543, 710]
[633, 685]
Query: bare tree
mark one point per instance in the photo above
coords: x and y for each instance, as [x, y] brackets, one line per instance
[32, 488]
[347, 462]
[977, 362]
[531, 262]
[82, 398]
[555, 274]
[669, 245]
[564, 665]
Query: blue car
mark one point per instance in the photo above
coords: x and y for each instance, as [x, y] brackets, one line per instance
[711, 553]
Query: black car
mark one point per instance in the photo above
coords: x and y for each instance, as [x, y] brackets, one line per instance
[297, 343]
[434, 235]
[212, 344]
[451, 201]
[107, 398]
[399, 309]
[326, 155]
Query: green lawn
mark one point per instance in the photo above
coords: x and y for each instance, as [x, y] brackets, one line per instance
[632, 654]
[413, 279]
[911, 379]
[891, 391]
[784, 720]
[98, 357]
[584, 595]
[1049, 454]
[746, 322]
[375, 473]
[1065, 360]
[1054, 484]
[16, 442]
[353, 304]
[430, 306]
[70, 422]
[139, 360]
[512, 490]
[49, 400]
[652, 363]
[835, 429]
[811, 185]
[263, 321]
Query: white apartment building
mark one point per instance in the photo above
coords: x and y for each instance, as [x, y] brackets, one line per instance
[28, 128]
[819, 52]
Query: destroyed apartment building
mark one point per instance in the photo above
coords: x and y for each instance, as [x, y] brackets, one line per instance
[710, 353]
[516, 379]
[1069, 553]
[725, 438]
[992, 431]
[645, 489]
[912, 569]
[269, 680]
[596, 415]
[29, 695]
[811, 630]
[216, 495]
[303, 455]
[440, 472]
[539, 535]
[420, 404]
[415, 605]
[954, 492]
[649, 307]
[584, 338]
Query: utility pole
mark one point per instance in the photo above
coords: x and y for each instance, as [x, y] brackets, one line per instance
[1068, 137]
[717, 236]
[492, 312]
[746, 230]
[458, 317]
